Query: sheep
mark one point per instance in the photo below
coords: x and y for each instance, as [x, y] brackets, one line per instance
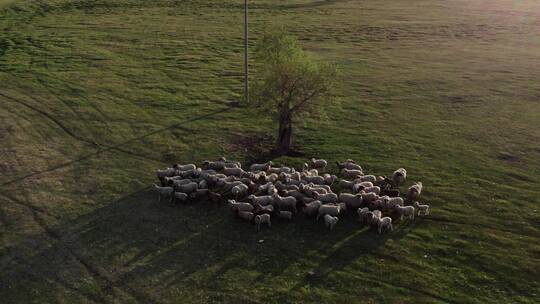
[285, 215]
[239, 190]
[239, 206]
[187, 188]
[280, 170]
[326, 198]
[280, 186]
[215, 197]
[348, 164]
[199, 194]
[328, 209]
[178, 182]
[385, 222]
[414, 191]
[319, 180]
[294, 193]
[377, 214]
[180, 196]
[312, 172]
[399, 176]
[317, 164]
[374, 189]
[407, 211]
[345, 184]
[359, 186]
[329, 179]
[246, 215]
[269, 209]
[352, 201]
[165, 173]
[179, 167]
[230, 165]
[227, 186]
[312, 208]
[326, 187]
[218, 165]
[390, 192]
[330, 221]
[424, 209]
[351, 173]
[261, 200]
[392, 202]
[287, 202]
[369, 197]
[273, 177]
[309, 190]
[227, 161]
[365, 216]
[262, 219]
[367, 178]
[203, 184]
[164, 191]
[233, 171]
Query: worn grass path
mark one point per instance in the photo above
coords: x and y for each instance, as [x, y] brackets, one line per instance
[95, 95]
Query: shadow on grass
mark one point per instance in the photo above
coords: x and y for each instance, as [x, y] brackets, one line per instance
[135, 248]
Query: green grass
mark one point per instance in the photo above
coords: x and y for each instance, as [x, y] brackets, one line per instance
[95, 95]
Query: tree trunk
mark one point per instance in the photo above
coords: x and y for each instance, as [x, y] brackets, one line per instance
[284, 140]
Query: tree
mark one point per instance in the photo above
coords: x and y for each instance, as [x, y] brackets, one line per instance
[289, 83]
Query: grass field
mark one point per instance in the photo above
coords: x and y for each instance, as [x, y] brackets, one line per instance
[96, 95]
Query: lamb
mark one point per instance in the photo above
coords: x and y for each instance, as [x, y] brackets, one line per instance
[385, 222]
[332, 210]
[261, 200]
[187, 188]
[164, 191]
[179, 167]
[348, 164]
[399, 176]
[423, 209]
[312, 208]
[414, 191]
[326, 198]
[351, 173]
[330, 221]
[317, 164]
[261, 167]
[180, 196]
[285, 215]
[407, 211]
[288, 202]
[246, 215]
[262, 219]
[239, 206]
[239, 190]
[351, 201]
[233, 171]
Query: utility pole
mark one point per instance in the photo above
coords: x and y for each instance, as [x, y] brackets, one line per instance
[246, 69]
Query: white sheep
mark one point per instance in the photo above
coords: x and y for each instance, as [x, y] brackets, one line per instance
[280, 170]
[319, 180]
[317, 164]
[329, 179]
[328, 209]
[233, 171]
[261, 200]
[180, 196]
[263, 209]
[353, 201]
[365, 216]
[311, 209]
[199, 194]
[369, 197]
[359, 186]
[348, 164]
[330, 221]
[239, 190]
[351, 173]
[261, 167]
[165, 173]
[392, 202]
[326, 198]
[422, 209]
[374, 189]
[414, 191]
[285, 202]
[399, 176]
[407, 211]
[164, 191]
[345, 184]
[367, 178]
[385, 222]
[262, 219]
[187, 188]
[184, 167]
[311, 172]
[239, 206]
[218, 165]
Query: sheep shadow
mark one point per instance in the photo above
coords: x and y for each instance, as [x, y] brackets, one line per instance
[136, 248]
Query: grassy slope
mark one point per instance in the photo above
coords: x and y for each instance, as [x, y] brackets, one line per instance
[96, 95]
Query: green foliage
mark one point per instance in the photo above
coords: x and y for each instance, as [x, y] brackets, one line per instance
[288, 79]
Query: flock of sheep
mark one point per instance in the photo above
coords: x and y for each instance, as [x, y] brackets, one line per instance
[265, 191]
